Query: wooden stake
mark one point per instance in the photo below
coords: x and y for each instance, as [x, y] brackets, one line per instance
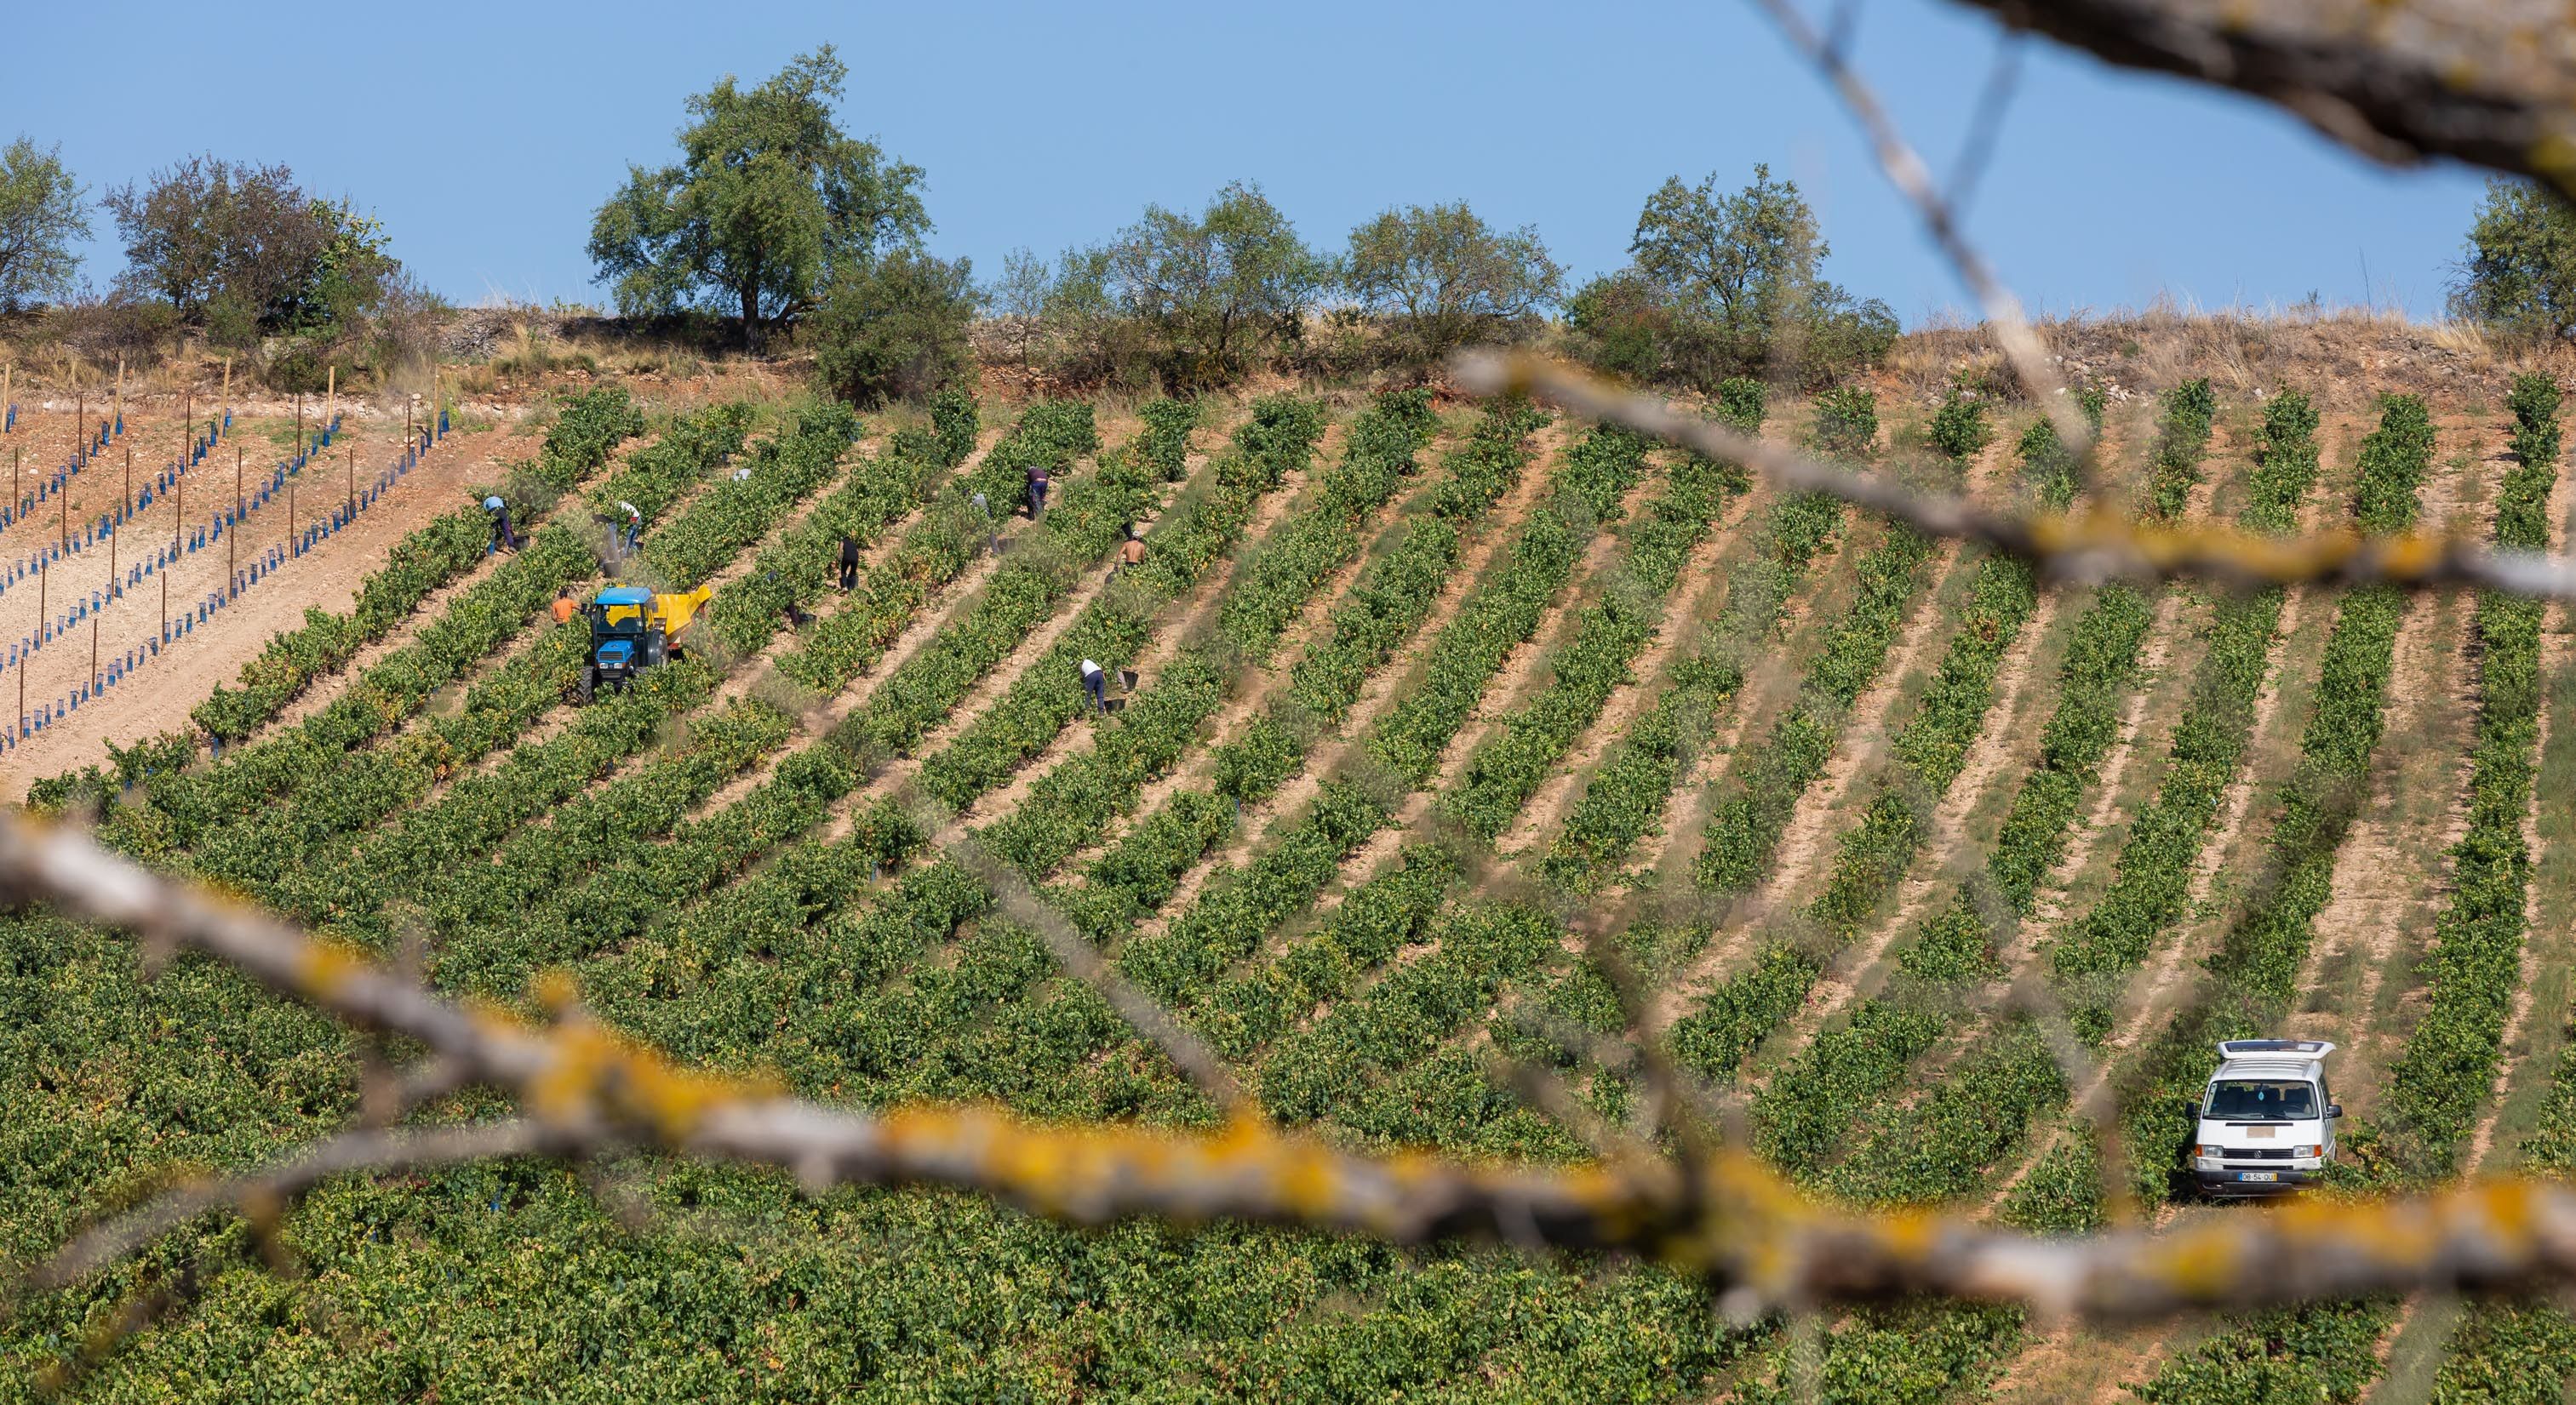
[120, 390]
[80, 425]
[353, 482]
[178, 506]
[112, 533]
[8, 374]
[331, 388]
[93, 653]
[228, 387]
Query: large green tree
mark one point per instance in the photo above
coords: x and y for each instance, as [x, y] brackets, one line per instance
[2520, 274]
[40, 215]
[1216, 287]
[1734, 263]
[1735, 280]
[769, 199]
[1442, 277]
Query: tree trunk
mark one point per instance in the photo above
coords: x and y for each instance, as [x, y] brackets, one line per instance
[751, 317]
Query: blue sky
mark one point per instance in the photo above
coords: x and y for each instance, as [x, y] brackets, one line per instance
[485, 134]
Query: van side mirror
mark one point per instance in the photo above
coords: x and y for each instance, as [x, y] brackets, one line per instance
[2334, 1110]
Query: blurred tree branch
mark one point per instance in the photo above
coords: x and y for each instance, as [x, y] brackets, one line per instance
[2490, 83]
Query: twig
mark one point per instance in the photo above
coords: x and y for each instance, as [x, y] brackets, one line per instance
[1189, 1053]
[1543, 1090]
[1913, 180]
[1669, 1091]
[2088, 1085]
[261, 1192]
[2087, 548]
[1985, 128]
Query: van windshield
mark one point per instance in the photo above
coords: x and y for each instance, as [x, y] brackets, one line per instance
[2261, 1100]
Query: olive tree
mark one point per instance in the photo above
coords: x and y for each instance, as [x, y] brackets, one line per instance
[41, 213]
[768, 200]
[1738, 278]
[1441, 277]
[2520, 274]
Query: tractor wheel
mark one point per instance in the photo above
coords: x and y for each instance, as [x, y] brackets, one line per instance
[588, 685]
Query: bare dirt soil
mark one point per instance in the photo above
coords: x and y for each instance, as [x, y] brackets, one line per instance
[158, 697]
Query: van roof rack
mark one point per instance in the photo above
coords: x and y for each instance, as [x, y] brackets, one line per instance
[2246, 1048]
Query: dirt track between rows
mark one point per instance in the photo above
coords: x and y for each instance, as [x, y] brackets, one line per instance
[158, 697]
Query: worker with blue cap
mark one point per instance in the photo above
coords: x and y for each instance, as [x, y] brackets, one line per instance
[502, 536]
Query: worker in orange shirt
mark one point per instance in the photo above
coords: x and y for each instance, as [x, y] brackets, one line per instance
[564, 608]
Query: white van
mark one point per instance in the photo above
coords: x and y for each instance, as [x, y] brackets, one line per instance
[2266, 1119]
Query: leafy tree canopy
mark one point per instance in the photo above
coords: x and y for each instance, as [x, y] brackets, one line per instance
[1732, 262]
[40, 215]
[768, 199]
[245, 251]
[2520, 274]
[1446, 278]
[1217, 286]
[1727, 284]
[895, 328]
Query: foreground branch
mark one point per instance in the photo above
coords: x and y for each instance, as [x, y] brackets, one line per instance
[587, 1092]
[2488, 82]
[1913, 180]
[2089, 547]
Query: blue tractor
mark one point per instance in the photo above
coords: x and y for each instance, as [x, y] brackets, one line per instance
[633, 629]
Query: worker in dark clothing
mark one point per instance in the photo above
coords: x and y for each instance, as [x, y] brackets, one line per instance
[849, 563]
[796, 616]
[1037, 490]
[1096, 684]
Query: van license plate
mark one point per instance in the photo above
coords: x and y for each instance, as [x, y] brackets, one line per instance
[2258, 1175]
